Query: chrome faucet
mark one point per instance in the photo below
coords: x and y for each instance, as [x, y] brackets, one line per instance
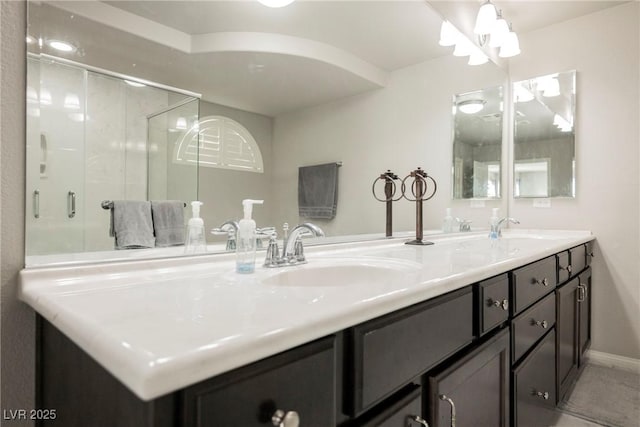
[292, 248]
[230, 228]
[496, 229]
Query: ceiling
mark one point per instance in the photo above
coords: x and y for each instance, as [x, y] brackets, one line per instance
[271, 61]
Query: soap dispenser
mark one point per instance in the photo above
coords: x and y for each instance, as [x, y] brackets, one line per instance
[246, 240]
[195, 240]
[493, 223]
[447, 223]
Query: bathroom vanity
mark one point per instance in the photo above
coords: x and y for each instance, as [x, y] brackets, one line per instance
[467, 331]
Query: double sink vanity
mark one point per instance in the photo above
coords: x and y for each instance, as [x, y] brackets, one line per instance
[468, 331]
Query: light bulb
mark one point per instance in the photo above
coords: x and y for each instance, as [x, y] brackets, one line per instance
[499, 32]
[463, 47]
[478, 57]
[511, 46]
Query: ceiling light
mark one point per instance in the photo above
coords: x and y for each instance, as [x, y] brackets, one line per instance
[486, 18]
[511, 46]
[471, 106]
[134, 84]
[61, 46]
[275, 3]
[499, 31]
[478, 57]
[448, 34]
[463, 47]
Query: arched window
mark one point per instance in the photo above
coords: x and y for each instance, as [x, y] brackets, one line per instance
[222, 143]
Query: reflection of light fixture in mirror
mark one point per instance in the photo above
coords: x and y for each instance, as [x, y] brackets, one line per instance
[181, 123]
[30, 39]
[45, 97]
[471, 106]
[448, 34]
[552, 88]
[276, 3]
[61, 46]
[522, 94]
[32, 95]
[562, 123]
[499, 31]
[486, 18]
[71, 101]
[77, 117]
[477, 57]
[511, 45]
[134, 84]
[463, 47]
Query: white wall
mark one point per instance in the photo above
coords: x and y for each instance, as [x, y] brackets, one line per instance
[400, 127]
[604, 49]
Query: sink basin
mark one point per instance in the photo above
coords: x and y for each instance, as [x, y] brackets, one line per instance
[340, 272]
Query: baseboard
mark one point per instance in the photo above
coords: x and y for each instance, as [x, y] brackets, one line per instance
[614, 361]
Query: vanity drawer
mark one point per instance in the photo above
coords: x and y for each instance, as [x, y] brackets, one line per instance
[405, 411]
[300, 380]
[493, 302]
[578, 259]
[564, 266]
[532, 282]
[390, 351]
[535, 387]
[531, 325]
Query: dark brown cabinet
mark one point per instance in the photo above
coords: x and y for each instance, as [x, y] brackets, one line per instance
[475, 389]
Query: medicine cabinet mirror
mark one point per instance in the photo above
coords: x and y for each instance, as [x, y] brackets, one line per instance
[544, 138]
[311, 83]
[477, 144]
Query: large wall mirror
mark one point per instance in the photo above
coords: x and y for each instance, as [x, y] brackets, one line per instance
[544, 138]
[477, 144]
[258, 92]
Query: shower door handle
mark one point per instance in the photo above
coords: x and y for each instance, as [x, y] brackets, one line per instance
[36, 204]
[71, 204]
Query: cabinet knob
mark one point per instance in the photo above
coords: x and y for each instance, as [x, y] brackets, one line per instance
[281, 418]
[544, 395]
[567, 268]
[418, 419]
[542, 323]
[543, 282]
[497, 303]
[453, 408]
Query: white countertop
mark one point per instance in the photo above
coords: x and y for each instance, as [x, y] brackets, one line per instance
[161, 325]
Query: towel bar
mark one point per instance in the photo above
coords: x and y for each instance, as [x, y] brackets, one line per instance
[108, 204]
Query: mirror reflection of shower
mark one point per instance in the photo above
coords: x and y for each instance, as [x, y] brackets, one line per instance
[89, 139]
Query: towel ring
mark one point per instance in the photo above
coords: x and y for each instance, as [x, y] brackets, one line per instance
[418, 176]
[388, 177]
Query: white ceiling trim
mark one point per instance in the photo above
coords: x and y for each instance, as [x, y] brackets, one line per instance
[225, 41]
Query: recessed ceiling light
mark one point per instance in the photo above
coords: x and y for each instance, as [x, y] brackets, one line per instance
[276, 3]
[61, 46]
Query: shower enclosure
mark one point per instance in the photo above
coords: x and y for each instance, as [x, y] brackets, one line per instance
[92, 136]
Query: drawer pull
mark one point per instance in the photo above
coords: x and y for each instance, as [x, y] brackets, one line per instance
[453, 408]
[281, 418]
[418, 419]
[544, 395]
[543, 282]
[497, 303]
[591, 254]
[542, 323]
[567, 268]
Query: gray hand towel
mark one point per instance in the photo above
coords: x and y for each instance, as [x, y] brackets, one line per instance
[168, 222]
[131, 224]
[318, 191]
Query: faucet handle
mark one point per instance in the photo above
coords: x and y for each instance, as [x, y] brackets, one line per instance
[298, 249]
[273, 253]
[464, 224]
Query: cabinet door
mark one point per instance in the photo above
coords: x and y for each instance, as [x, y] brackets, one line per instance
[474, 390]
[534, 385]
[584, 315]
[567, 335]
[300, 383]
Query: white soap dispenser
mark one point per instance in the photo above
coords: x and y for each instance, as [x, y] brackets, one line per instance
[246, 240]
[493, 223]
[447, 223]
[195, 241]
